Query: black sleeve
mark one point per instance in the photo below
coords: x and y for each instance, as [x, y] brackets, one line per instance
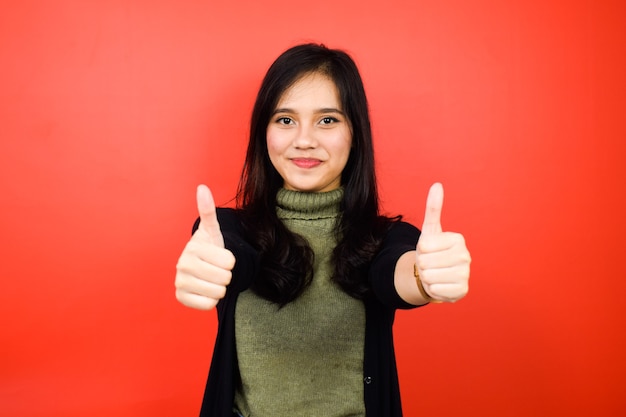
[401, 238]
[246, 257]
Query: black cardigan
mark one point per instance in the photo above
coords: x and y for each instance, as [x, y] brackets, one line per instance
[380, 376]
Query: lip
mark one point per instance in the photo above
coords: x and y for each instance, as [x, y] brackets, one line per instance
[306, 163]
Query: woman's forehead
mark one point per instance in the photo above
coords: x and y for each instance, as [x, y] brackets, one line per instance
[313, 90]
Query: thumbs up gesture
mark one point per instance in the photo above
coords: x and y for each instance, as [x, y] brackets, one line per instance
[443, 261]
[204, 268]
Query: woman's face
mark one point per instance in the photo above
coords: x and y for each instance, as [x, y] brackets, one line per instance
[309, 136]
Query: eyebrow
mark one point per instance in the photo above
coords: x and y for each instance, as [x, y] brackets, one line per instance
[322, 110]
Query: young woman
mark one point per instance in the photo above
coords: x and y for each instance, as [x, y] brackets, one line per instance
[306, 273]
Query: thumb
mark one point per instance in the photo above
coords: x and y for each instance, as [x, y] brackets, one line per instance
[209, 225]
[434, 204]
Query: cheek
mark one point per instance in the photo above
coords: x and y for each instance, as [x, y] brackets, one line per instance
[272, 144]
[344, 146]
[276, 139]
[275, 150]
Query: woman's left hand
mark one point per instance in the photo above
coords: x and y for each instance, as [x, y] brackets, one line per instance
[443, 260]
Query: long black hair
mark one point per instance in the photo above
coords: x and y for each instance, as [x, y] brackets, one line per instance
[286, 258]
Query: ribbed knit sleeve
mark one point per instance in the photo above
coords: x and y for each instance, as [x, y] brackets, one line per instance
[400, 239]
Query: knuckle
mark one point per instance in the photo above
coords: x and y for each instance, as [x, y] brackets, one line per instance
[426, 277]
[228, 277]
[421, 265]
[181, 264]
[221, 278]
[181, 296]
[419, 259]
[179, 282]
[220, 292]
[231, 261]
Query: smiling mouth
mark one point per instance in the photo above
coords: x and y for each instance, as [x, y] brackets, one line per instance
[306, 162]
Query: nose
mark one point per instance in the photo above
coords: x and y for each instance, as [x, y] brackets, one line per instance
[305, 138]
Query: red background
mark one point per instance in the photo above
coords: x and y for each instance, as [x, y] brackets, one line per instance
[111, 113]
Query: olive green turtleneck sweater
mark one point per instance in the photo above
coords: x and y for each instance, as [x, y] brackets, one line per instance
[305, 359]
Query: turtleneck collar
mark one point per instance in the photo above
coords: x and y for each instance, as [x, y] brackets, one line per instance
[300, 205]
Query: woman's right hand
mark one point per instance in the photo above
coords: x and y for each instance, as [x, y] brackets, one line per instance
[204, 268]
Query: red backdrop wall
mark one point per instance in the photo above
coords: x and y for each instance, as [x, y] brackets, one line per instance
[112, 112]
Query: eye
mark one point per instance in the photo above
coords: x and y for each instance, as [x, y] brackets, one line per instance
[284, 120]
[328, 120]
